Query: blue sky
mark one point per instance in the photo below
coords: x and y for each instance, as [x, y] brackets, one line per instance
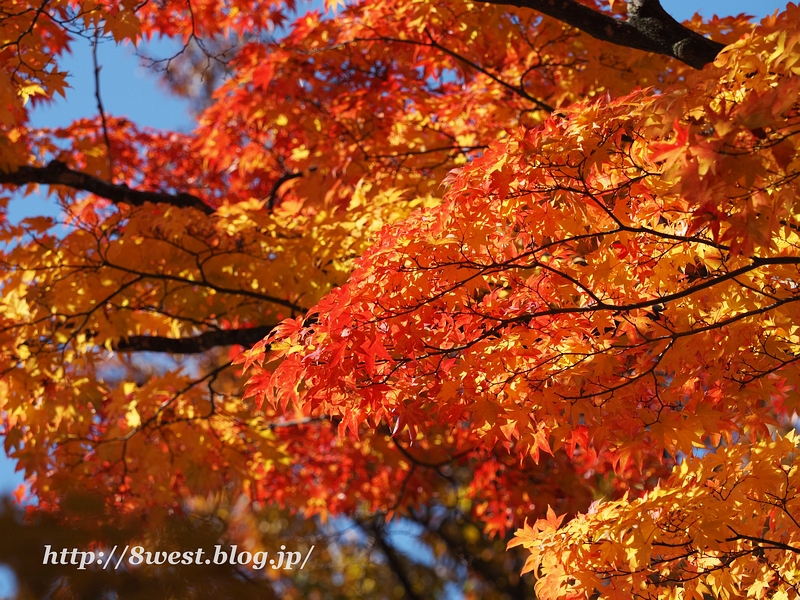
[682, 10]
[131, 90]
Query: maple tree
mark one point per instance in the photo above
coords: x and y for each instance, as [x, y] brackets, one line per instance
[495, 269]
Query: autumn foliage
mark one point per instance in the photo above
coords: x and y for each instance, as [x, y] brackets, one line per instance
[455, 263]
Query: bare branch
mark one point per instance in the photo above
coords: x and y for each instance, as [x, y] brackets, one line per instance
[649, 27]
[57, 173]
[100, 108]
[394, 562]
[195, 344]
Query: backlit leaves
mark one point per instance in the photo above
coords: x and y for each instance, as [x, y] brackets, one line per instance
[497, 266]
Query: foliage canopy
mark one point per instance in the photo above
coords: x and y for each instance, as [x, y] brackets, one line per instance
[476, 265]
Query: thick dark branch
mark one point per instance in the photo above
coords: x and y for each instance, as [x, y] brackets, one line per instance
[195, 344]
[451, 532]
[395, 563]
[649, 27]
[57, 173]
[762, 542]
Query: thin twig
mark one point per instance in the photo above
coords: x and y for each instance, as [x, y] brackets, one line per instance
[100, 108]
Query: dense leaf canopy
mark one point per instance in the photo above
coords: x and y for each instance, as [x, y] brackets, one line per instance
[470, 265]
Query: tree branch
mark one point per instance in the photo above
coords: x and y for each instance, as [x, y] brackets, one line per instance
[649, 27]
[273, 195]
[195, 344]
[100, 109]
[287, 176]
[57, 173]
[395, 563]
[451, 533]
[762, 542]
